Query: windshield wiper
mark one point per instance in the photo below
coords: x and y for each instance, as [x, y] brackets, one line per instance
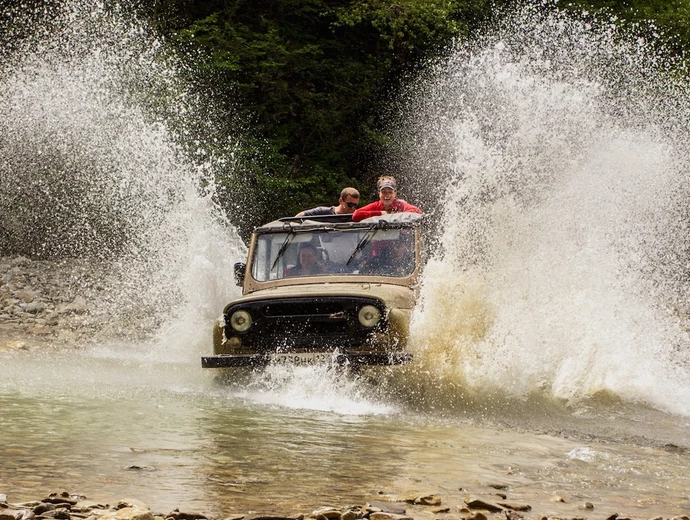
[363, 243]
[288, 240]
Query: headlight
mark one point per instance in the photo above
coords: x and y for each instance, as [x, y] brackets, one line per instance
[240, 321]
[369, 316]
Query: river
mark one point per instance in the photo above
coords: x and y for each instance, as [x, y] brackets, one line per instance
[550, 340]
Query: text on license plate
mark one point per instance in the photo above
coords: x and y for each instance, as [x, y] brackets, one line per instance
[301, 358]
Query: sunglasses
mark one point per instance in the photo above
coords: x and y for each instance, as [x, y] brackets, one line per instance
[352, 204]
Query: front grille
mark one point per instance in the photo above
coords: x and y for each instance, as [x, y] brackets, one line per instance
[304, 308]
[306, 323]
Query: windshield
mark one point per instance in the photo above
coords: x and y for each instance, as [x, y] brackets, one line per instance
[329, 252]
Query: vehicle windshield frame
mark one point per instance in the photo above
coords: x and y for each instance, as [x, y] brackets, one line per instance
[348, 251]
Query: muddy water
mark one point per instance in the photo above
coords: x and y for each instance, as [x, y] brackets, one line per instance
[116, 421]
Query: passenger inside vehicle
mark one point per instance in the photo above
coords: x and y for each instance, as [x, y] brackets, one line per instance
[390, 258]
[309, 262]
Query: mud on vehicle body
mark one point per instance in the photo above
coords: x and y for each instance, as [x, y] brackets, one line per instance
[353, 306]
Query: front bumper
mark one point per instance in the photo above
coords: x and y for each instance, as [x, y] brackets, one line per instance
[337, 358]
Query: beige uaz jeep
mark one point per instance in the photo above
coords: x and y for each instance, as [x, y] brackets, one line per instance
[323, 289]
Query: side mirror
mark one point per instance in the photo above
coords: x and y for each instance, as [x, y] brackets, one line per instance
[240, 268]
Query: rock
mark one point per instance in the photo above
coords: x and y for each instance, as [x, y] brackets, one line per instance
[78, 306]
[130, 502]
[326, 512]
[177, 515]
[388, 516]
[515, 507]
[424, 500]
[129, 513]
[476, 515]
[20, 261]
[350, 515]
[274, 517]
[25, 296]
[43, 507]
[62, 498]
[476, 503]
[59, 514]
[388, 507]
[35, 307]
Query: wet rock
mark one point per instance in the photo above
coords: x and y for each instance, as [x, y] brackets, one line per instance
[10, 514]
[274, 517]
[515, 507]
[351, 515]
[326, 512]
[424, 500]
[62, 498]
[382, 515]
[477, 503]
[43, 507]
[60, 513]
[129, 513]
[178, 515]
[388, 507]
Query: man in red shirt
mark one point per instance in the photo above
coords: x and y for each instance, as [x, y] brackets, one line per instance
[387, 203]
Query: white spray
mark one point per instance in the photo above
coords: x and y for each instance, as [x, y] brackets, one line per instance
[560, 160]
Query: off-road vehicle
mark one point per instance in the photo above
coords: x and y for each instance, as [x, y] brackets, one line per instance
[351, 305]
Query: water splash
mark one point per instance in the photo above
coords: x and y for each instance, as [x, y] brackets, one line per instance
[321, 388]
[100, 157]
[561, 162]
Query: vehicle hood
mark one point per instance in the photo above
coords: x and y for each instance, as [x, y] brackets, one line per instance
[394, 296]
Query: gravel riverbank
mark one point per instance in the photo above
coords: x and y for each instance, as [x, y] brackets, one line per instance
[66, 506]
[66, 302]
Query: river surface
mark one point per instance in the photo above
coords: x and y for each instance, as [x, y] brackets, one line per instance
[113, 422]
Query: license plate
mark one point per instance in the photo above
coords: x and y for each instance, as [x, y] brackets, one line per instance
[301, 358]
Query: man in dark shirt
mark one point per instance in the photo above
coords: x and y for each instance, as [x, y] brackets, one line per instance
[347, 204]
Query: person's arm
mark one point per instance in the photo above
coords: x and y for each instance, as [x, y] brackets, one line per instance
[321, 210]
[404, 206]
[370, 210]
